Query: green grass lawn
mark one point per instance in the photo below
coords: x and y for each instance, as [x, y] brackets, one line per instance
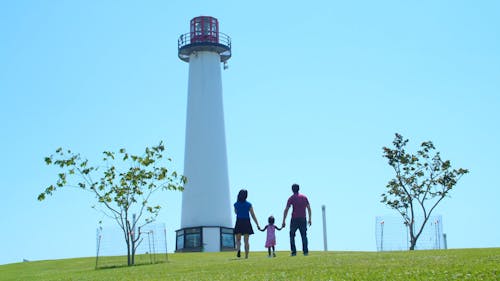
[462, 264]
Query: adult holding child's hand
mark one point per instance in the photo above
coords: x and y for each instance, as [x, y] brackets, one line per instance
[243, 209]
[298, 221]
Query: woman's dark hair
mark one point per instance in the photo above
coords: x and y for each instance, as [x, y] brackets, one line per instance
[270, 220]
[242, 195]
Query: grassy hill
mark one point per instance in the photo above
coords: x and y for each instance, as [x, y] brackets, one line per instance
[462, 264]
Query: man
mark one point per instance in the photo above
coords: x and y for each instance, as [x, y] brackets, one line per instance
[298, 221]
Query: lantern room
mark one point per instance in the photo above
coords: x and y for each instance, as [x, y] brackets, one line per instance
[204, 29]
[204, 35]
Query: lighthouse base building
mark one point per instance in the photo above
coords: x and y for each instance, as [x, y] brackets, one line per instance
[206, 220]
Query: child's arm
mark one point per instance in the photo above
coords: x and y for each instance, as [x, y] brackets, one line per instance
[278, 228]
[263, 229]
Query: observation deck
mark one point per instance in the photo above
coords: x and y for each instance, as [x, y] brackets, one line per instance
[204, 36]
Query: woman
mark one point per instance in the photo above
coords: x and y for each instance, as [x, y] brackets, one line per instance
[243, 210]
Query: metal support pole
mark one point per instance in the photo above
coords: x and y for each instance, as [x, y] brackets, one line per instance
[166, 248]
[382, 236]
[325, 244]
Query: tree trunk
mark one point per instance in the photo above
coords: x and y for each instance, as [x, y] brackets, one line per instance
[133, 252]
[128, 254]
[413, 242]
[129, 244]
[411, 227]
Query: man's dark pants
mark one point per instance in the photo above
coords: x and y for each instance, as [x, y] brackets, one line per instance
[301, 225]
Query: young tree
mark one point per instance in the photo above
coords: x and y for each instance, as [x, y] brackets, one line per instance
[123, 192]
[421, 182]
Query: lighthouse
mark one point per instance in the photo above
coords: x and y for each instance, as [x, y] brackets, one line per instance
[206, 223]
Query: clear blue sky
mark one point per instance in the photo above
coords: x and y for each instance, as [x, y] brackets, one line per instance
[313, 92]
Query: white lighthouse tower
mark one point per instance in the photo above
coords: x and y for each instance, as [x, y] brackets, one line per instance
[206, 223]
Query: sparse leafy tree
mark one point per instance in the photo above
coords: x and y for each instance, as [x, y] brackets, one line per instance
[422, 180]
[123, 186]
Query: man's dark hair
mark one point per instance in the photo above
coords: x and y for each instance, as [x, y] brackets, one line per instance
[242, 195]
[295, 188]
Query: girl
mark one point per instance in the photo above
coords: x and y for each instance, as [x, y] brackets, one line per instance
[243, 210]
[271, 235]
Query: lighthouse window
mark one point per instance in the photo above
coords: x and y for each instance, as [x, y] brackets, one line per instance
[192, 238]
[197, 27]
[206, 27]
[227, 238]
[188, 239]
[180, 240]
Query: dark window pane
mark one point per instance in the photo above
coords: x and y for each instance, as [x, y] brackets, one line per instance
[227, 240]
[193, 240]
[180, 242]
